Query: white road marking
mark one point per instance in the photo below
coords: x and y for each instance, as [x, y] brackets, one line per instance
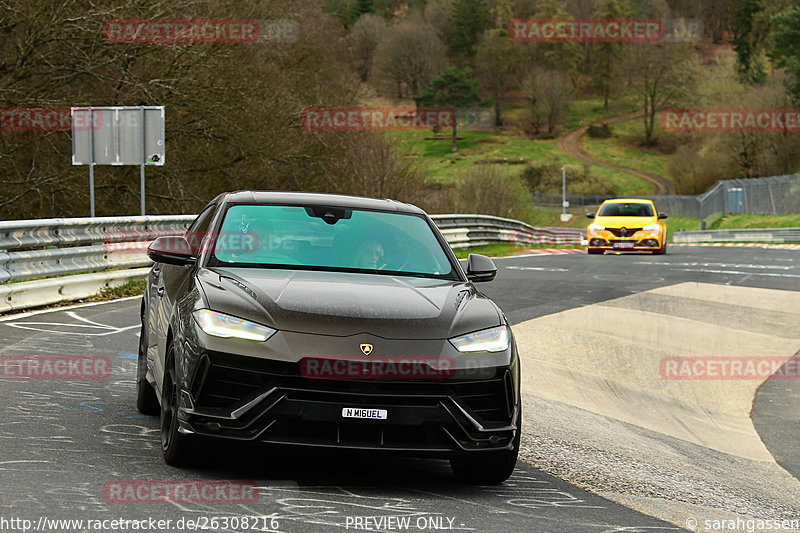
[84, 323]
[537, 268]
[17, 316]
[722, 265]
[739, 272]
[543, 252]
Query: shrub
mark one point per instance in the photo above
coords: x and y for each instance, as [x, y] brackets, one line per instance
[545, 177]
[490, 190]
[599, 132]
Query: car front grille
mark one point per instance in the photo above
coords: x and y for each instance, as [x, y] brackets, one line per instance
[281, 406]
[623, 232]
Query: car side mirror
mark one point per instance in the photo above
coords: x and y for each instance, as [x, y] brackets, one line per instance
[662, 216]
[172, 250]
[589, 215]
[480, 268]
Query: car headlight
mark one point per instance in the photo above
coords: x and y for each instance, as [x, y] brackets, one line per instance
[494, 339]
[227, 326]
[594, 228]
[652, 228]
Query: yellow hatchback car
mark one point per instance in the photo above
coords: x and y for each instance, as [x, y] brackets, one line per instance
[627, 224]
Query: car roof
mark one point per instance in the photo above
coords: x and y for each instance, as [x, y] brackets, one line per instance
[626, 200]
[318, 199]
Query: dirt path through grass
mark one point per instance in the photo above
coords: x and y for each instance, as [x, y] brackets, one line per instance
[570, 144]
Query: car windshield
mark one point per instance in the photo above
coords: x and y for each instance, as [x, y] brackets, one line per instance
[324, 238]
[619, 209]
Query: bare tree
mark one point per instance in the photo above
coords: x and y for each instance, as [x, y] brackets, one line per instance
[367, 33]
[694, 168]
[499, 62]
[546, 177]
[661, 74]
[490, 190]
[408, 58]
[760, 153]
[717, 17]
[704, 159]
[565, 56]
[232, 109]
[605, 58]
[377, 166]
[548, 92]
[437, 13]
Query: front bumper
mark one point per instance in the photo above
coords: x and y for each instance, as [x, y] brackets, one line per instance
[622, 245]
[255, 399]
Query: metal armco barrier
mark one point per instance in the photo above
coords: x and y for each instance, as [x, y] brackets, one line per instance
[59, 246]
[80, 255]
[463, 231]
[83, 255]
[739, 235]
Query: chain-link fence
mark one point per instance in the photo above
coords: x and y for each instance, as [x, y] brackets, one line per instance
[686, 206]
[755, 196]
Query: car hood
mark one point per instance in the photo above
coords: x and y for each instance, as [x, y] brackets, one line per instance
[341, 303]
[625, 222]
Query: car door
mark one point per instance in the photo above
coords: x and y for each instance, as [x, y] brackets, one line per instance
[164, 288]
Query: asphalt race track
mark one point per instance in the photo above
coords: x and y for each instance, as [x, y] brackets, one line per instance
[63, 441]
[527, 287]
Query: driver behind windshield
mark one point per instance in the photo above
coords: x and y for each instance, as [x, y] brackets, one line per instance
[369, 254]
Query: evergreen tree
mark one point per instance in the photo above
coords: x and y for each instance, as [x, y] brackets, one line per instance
[745, 43]
[786, 49]
[565, 56]
[499, 61]
[360, 7]
[452, 88]
[606, 55]
[468, 20]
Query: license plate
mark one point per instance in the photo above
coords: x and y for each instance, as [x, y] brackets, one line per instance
[623, 244]
[358, 412]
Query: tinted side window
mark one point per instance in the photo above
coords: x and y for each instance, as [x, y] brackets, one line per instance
[199, 229]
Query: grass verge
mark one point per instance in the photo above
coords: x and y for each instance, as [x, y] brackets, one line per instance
[622, 148]
[504, 249]
[755, 221]
[508, 148]
[134, 287]
[587, 111]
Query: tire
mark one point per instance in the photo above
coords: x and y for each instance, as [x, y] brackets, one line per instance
[178, 450]
[595, 250]
[662, 250]
[488, 468]
[146, 399]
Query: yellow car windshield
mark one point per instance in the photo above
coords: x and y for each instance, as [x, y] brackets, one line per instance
[626, 210]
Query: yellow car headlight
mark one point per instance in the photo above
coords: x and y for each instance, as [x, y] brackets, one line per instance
[655, 229]
[594, 228]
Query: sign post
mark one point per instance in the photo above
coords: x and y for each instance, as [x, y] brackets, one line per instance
[565, 217]
[118, 135]
[141, 165]
[90, 125]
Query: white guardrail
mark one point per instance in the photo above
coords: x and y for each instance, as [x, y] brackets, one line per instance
[49, 260]
[739, 235]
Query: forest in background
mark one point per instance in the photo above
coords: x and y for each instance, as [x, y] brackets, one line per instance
[233, 110]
